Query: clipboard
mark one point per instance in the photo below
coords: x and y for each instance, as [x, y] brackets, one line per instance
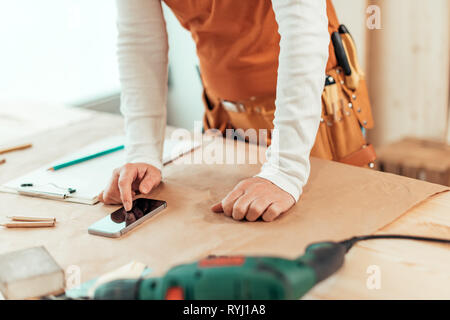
[88, 178]
[46, 193]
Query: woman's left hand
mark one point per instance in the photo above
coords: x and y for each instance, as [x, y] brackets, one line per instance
[253, 198]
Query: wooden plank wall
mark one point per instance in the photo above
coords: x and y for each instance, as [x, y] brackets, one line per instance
[448, 110]
[407, 65]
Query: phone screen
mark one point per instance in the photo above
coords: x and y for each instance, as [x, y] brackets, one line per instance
[120, 219]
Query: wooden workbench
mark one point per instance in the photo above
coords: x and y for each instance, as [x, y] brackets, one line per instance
[408, 270]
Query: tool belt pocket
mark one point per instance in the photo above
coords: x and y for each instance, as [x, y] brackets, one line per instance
[224, 115]
[255, 114]
[215, 117]
[249, 116]
[346, 115]
[346, 112]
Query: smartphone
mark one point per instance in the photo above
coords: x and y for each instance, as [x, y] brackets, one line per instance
[120, 221]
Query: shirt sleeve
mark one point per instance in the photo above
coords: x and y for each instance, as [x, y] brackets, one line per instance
[142, 51]
[303, 28]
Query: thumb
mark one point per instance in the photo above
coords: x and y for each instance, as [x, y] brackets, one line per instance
[217, 208]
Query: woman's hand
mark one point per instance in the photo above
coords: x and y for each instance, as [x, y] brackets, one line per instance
[253, 198]
[127, 181]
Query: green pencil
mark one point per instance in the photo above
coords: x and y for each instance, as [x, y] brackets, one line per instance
[82, 159]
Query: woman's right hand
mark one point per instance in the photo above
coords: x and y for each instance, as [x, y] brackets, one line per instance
[127, 181]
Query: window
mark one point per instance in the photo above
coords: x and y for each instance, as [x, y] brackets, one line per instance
[61, 51]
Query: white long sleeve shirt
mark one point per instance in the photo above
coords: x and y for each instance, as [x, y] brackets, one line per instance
[143, 61]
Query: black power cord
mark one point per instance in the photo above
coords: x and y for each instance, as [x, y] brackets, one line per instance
[350, 242]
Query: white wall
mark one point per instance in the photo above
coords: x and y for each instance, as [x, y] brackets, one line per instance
[184, 102]
[61, 51]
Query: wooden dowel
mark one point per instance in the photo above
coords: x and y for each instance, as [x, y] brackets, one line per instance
[23, 218]
[16, 148]
[28, 224]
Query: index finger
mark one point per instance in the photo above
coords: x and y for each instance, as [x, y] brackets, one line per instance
[126, 179]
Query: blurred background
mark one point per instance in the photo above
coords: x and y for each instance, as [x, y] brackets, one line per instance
[62, 53]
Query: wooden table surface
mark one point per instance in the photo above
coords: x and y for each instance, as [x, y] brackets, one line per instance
[405, 269]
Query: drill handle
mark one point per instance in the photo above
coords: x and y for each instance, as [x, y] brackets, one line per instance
[325, 258]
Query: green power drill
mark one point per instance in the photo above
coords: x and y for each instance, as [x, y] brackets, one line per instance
[239, 277]
[234, 277]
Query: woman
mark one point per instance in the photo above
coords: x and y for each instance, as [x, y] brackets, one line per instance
[250, 52]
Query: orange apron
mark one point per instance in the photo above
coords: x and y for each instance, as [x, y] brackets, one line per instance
[238, 48]
[237, 44]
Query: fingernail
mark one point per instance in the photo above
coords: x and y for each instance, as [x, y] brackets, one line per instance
[127, 205]
[145, 189]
